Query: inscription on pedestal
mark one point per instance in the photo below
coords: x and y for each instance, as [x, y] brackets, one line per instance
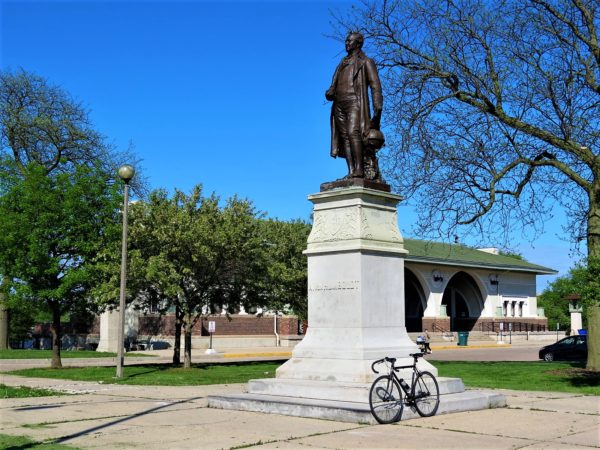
[350, 285]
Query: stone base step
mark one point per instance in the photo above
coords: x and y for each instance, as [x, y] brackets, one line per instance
[353, 412]
[330, 390]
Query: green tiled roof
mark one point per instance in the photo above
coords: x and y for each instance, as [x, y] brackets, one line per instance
[456, 254]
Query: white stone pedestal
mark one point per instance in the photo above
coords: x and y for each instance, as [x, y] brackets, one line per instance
[355, 289]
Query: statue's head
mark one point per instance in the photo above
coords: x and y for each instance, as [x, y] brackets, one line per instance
[354, 40]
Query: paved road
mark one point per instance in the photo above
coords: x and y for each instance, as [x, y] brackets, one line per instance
[476, 351]
[528, 352]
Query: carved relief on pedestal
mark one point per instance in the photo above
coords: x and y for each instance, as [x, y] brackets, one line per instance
[335, 224]
[355, 222]
[381, 225]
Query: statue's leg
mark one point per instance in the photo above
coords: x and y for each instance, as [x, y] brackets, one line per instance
[356, 144]
[341, 124]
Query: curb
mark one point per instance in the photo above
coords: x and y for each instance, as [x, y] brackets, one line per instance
[257, 354]
[289, 353]
[464, 347]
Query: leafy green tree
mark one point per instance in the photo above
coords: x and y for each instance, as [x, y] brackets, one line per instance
[200, 257]
[41, 124]
[22, 316]
[51, 228]
[285, 285]
[556, 308]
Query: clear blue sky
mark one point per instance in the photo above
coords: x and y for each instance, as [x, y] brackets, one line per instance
[226, 94]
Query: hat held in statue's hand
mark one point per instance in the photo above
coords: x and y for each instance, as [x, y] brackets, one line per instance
[375, 139]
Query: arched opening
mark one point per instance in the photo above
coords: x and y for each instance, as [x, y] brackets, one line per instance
[463, 301]
[414, 302]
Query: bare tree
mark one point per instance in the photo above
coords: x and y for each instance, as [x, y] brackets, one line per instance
[492, 111]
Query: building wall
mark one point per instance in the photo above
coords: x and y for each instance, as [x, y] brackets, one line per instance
[512, 287]
[234, 325]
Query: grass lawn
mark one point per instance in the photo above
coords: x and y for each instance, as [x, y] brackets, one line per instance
[163, 374]
[22, 442]
[24, 391]
[523, 376]
[47, 354]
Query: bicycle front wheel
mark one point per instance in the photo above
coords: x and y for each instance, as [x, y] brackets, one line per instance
[385, 400]
[426, 394]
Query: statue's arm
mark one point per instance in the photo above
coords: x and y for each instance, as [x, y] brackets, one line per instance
[330, 93]
[376, 94]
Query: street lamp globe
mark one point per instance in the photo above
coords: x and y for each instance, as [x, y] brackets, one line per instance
[126, 172]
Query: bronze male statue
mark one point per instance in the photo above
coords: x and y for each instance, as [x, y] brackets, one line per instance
[355, 136]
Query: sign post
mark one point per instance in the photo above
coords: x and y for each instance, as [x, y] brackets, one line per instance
[211, 329]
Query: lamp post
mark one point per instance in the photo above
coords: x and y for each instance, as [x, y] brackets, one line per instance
[126, 173]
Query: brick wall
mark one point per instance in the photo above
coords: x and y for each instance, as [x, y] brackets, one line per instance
[235, 325]
[249, 325]
[436, 324]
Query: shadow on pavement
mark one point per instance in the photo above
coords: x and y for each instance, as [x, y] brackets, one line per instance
[123, 419]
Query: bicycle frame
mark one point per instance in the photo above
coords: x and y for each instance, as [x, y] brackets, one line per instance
[408, 389]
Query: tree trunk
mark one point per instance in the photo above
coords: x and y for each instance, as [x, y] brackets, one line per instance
[56, 337]
[187, 358]
[593, 361]
[4, 343]
[4, 316]
[593, 221]
[593, 241]
[177, 345]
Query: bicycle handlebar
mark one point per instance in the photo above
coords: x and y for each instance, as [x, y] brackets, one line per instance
[379, 361]
[416, 356]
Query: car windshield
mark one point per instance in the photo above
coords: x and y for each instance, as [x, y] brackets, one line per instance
[567, 341]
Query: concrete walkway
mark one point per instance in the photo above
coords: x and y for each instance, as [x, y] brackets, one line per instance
[155, 417]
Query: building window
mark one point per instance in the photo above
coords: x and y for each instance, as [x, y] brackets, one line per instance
[153, 307]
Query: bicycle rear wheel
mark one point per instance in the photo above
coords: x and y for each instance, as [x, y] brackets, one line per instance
[426, 394]
[385, 400]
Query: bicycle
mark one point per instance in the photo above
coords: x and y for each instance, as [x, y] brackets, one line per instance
[385, 396]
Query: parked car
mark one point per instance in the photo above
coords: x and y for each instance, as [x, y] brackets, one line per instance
[571, 348]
